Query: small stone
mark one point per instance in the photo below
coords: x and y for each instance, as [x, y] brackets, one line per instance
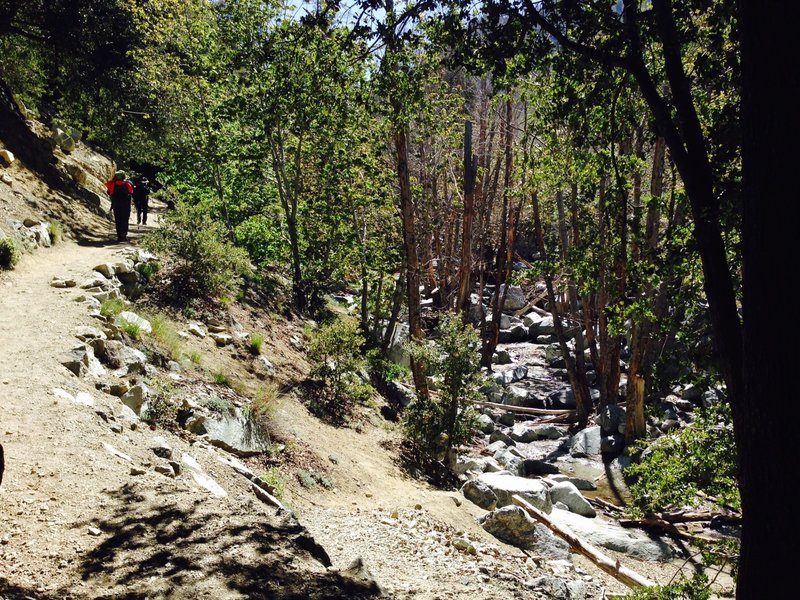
[464, 546]
[418, 507]
[94, 531]
[137, 471]
[116, 428]
[165, 469]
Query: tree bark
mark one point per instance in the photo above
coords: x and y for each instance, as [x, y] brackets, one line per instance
[764, 428]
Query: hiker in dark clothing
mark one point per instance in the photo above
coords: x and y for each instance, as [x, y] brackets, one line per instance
[141, 198]
[120, 190]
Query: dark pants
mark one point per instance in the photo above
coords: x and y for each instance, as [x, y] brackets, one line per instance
[142, 204]
[122, 213]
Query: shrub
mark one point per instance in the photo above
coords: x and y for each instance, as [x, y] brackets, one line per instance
[696, 588]
[256, 342]
[438, 424]
[56, 231]
[276, 481]
[10, 253]
[205, 263]
[335, 353]
[195, 356]
[160, 409]
[220, 405]
[700, 457]
[165, 333]
[220, 377]
[132, 329]
[112, 307]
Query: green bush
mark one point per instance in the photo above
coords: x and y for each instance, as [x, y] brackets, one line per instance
[56, 231]
[256, 342]
[440, 423]
[696, 588]
[205, 264]
[700, 457]
[112, 307]
[10, 253]
[160, 409]
[276, 481]
[335, 353]
[166, 334]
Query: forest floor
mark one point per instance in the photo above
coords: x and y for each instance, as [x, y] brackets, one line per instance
[84, 515]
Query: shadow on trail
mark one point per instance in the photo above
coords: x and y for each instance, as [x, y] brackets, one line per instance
[10, 590]
[156, 547]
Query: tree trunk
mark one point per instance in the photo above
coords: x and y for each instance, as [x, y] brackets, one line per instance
[583, 398]
[470, 168]
[412, 262]
[764, 427]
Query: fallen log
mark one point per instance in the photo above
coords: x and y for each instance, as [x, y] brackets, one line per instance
[605, 505]
[525, 410]
[627, 576]
[685, 516]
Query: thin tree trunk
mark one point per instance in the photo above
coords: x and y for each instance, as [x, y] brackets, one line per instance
[412, 262]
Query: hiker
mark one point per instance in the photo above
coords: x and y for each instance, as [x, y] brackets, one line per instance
[141, 198]
[120, 190]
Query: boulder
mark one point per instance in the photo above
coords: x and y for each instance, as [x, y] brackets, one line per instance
[510, 460]
[586, 442]
[41, 234]
[221, 339]
[117, 355]
[581, 484]
[515, 298]
[566, 493]
[465, 464]
[512, 525]
[508, 376]
[477, 311]
[485, 424]
[507, 418]
[400, 394]
[127, 317]
[86, 333]
[548, 432]
[500, 436]
[612, 419]
[135, 398]
[531, 319]
[534, 467]
[505, 485]
[555, 588]
[516, 395]
[515, 333]
[233, 432]
[544, 327]
[524, 433]
[7, 157]
[602, 533]
[692, 393]
[479, 493]
[565, 399]
[197, 329]
[262, 367]
[501, 357]
[612, 444]
[82, 361]
[105, 269]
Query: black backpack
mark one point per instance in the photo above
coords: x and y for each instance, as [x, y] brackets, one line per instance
[120, 191]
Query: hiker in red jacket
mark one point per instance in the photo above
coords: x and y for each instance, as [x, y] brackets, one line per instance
[121, 191]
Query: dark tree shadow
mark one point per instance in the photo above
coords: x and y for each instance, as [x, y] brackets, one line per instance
[158, 549]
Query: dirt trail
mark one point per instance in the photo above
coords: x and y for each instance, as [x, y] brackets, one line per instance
[84, 514]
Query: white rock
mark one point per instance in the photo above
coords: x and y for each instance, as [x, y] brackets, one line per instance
[209, 484]
[7, 157]
[132, 318]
